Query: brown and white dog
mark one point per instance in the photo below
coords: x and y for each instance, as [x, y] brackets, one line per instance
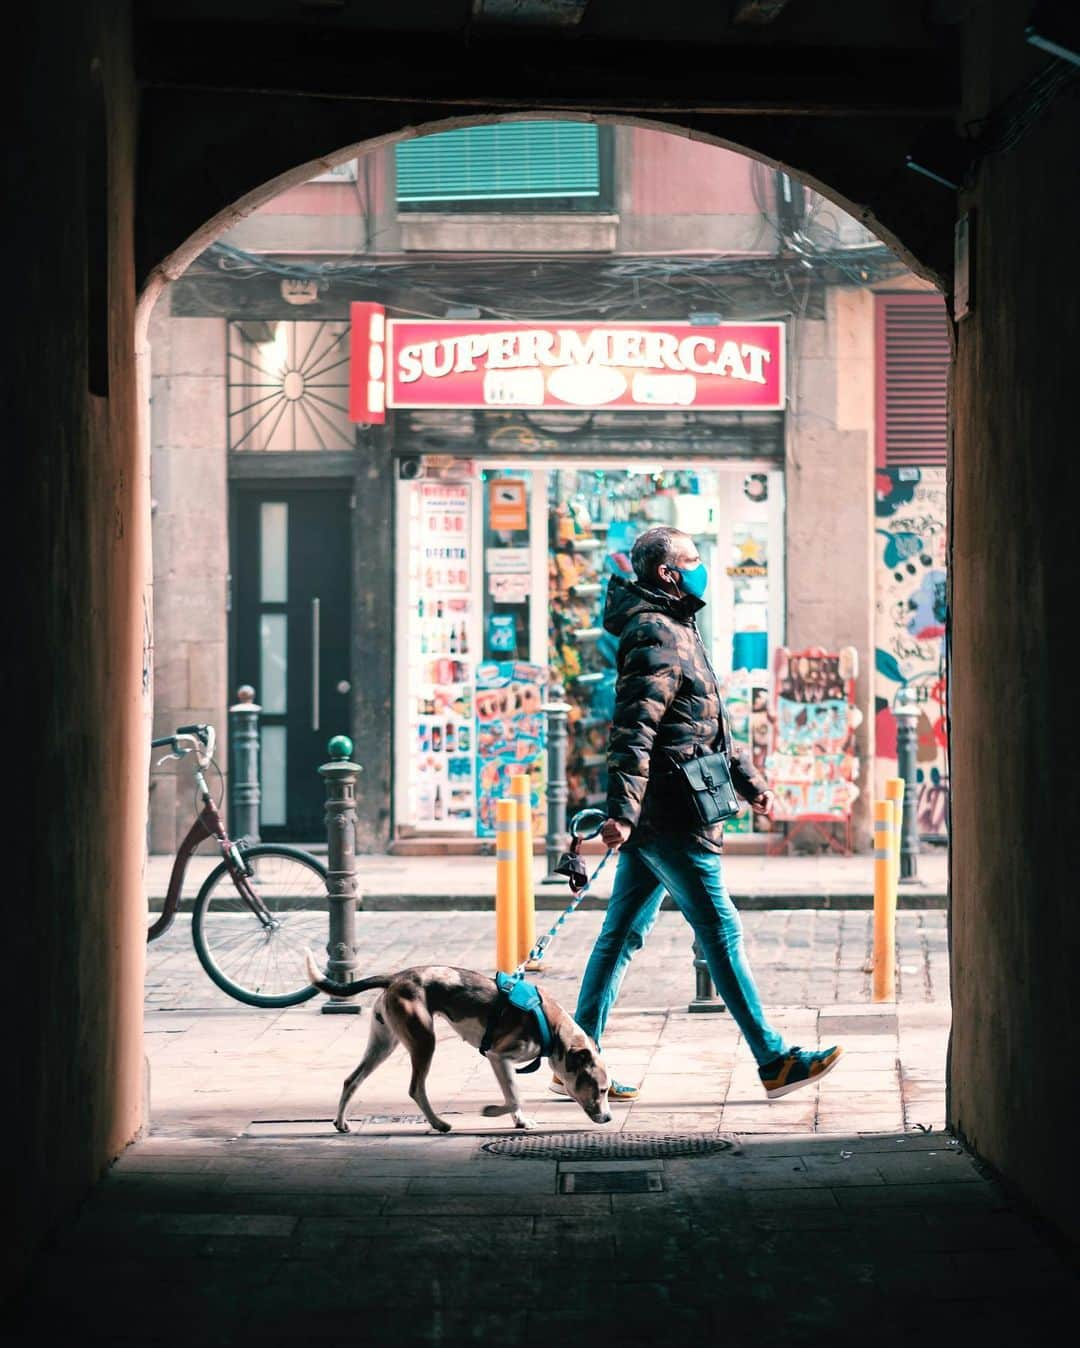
[404, 1013]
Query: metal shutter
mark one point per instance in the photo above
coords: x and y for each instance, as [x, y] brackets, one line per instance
[501, 162]
[912, 362]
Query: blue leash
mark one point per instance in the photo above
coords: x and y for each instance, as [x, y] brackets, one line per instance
[525, 995]
[539, 949]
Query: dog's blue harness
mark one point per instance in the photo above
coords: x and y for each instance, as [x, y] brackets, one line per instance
[514, 988]
[516, 991]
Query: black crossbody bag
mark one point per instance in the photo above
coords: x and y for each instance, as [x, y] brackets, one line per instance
[706, 779]
[708, 787]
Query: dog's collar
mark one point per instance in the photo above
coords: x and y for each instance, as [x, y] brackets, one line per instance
[525, 997]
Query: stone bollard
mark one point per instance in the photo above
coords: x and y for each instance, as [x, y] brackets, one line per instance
[705, 998]
[339, 776]
[556, 839]
[244, 794]
[907, 745]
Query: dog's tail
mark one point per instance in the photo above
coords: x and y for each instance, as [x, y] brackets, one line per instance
[327, 985]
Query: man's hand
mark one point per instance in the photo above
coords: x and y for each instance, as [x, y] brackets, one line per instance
[615, 832]
[764, 803]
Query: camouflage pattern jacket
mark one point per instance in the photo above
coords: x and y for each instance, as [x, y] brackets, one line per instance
[667, 709]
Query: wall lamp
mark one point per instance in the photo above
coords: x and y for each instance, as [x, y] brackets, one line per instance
[942, 158]
[936, 174]
[700, 318]
[1052, 31]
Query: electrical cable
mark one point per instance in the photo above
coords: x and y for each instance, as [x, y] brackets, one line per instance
[613, 288]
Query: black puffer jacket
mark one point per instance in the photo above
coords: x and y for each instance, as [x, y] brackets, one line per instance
[667, 709]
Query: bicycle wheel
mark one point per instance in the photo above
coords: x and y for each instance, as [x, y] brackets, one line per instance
[258, 958]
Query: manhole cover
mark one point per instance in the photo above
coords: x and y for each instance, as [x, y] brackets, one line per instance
[610, 1147]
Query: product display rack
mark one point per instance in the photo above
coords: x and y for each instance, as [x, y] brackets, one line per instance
[441, 640]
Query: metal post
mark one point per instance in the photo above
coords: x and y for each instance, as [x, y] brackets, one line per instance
[339, 776]
[557, 838]
[705, 998]
[244, 795]
[907, 743]
[883, 962]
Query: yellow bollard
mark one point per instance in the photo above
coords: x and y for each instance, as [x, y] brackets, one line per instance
[884, 960]
[894, 792]
[521, 794]
[506, 958]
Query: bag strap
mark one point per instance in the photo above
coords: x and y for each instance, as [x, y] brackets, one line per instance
[721, 719]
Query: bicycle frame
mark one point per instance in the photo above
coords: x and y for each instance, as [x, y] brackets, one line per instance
[209, 824]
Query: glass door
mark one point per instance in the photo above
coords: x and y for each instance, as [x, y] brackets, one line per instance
[292, 572]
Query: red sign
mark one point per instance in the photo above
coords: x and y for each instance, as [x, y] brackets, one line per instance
[367, 363]
[621, 366]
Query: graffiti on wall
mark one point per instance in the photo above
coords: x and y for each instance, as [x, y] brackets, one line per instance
[909, 633]
[746, 700]
[812, 764]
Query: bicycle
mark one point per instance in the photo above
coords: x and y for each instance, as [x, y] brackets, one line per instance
[257, 910]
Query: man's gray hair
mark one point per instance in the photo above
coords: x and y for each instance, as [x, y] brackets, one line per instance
[652, 549]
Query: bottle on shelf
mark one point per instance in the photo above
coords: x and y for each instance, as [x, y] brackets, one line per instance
[437, 807]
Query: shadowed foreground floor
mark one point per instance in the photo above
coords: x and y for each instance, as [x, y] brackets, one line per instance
[396, 1238]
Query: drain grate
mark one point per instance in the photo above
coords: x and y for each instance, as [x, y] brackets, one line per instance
[612, 1182]
[301, 1127]
[610, 1147]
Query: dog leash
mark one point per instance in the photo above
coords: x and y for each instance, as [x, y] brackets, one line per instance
[514, 987]
[540, 948]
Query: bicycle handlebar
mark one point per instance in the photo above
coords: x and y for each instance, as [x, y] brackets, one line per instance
[202, 735]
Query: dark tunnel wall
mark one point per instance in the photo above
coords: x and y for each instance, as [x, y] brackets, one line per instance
[1014, 574]
[76, 530]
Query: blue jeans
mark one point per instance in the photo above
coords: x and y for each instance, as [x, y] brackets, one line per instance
[693, 877]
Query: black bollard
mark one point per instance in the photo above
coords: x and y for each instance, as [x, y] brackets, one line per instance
[907, 746]
[557, 839]
[340, 776]
[705, 998]
[244, 794]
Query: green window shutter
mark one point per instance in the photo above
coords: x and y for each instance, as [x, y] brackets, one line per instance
[502, 162]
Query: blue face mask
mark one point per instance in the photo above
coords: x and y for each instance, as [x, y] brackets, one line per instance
[696, 580]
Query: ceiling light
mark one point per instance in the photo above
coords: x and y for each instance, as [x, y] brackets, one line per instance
[1051, 31]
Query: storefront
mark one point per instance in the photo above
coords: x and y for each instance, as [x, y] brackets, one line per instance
[511, 519]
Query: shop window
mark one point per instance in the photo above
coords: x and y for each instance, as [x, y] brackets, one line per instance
[503, 576]
[512, 166]
[912, 378]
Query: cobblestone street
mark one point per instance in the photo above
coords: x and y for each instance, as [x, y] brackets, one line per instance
[800, 957]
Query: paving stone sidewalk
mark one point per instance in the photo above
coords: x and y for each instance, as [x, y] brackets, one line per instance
[812, 968]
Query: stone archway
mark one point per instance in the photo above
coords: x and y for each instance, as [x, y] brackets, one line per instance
[80, 502]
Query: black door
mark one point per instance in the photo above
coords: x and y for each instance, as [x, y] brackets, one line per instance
[291, 559]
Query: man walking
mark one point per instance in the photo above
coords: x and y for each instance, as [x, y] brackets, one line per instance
[667, 710]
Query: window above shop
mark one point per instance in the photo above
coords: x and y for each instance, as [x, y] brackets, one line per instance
[912, 357]
[508, 167]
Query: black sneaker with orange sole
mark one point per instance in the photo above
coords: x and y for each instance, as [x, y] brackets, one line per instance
[798, 1067]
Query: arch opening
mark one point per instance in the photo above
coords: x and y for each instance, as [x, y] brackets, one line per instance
[782, 458]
